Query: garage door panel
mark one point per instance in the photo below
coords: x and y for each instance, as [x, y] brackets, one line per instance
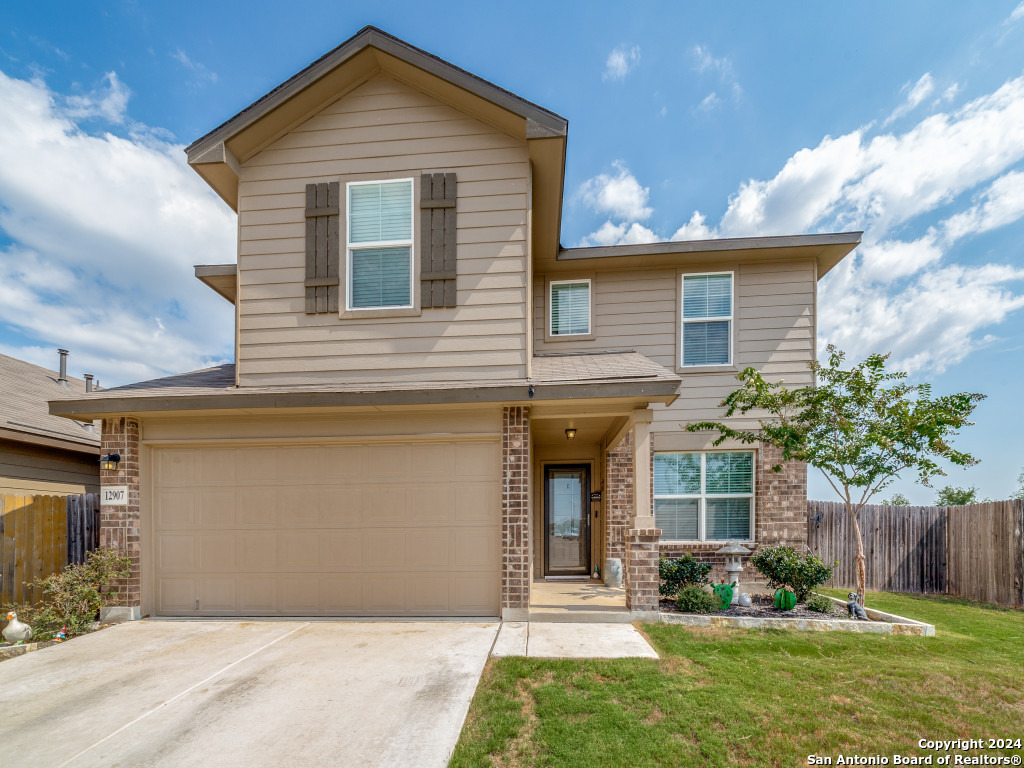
[377, 530]
[216, 508]
[175, 509]
[340, 506]
[258, 551]
[217, 552]
[177, 552]
[217, 595]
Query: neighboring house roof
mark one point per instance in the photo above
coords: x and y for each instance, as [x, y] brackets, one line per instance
[25, 391]
[555, 377]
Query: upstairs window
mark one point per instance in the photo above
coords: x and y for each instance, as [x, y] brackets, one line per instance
[379, 227]
[704, 496]
[570, 308]
[707, 320]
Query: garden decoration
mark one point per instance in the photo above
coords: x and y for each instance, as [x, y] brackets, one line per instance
[16, 631]
[744, 600]
[784, 599]
[724, 594]
[855, 608]
[733, 554]
[612, 572]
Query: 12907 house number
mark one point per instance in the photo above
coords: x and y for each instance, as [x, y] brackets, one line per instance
[114, 496]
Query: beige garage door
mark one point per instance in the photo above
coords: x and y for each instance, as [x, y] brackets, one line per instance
[377, 529]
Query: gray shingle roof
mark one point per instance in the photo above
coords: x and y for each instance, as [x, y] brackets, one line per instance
[215, 387]
[25, 390]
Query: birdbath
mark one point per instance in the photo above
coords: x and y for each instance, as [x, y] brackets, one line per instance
[733, 553]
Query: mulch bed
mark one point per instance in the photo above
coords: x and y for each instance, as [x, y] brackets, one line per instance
[762, 608]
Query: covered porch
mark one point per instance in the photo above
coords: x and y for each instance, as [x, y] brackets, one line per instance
[587, 466]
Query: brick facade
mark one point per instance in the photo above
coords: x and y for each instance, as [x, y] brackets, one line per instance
[515, 510]
[641, 569]
[119, 526]
[618, 497]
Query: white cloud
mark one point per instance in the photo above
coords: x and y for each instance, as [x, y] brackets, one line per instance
[104, 231]
[621, 61]
[695, 229]
[709, 102]
[620, 234]
[916, 93]
[1001, 204]
[1016, 15]
[620, 196]
[950, 93]
[706, 63]
[109, 101]
[198, 69]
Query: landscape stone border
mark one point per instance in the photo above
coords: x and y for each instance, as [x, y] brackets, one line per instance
[881, 623]
[10, 651]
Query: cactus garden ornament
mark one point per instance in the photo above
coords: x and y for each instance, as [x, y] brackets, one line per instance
[785, 599]
[723, 593]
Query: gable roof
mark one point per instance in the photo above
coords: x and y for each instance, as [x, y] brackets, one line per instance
[25, 390]
[218, 155]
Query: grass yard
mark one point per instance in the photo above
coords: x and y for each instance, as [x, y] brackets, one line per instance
[759, 698]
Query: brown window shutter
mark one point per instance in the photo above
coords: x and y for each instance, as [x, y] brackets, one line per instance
[323, 211]
[437, 240]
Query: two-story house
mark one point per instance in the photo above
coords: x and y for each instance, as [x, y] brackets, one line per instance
[433, 404]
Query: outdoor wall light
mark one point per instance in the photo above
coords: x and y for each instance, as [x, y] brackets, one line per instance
[570, 433]
[109, 462]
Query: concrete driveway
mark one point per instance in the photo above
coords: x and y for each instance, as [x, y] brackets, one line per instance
[244, 693]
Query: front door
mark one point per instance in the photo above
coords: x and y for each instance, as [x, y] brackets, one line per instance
[567, 520]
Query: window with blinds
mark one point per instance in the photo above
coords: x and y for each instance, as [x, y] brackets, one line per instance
[707, 315]
[570, 308]
[379, 227]
[704, 496]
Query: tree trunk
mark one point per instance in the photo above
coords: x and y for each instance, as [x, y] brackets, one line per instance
[861, 560]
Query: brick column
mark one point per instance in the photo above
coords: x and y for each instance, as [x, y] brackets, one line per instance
[618, 501]
[780, 507]
[515, 513]
[641, 569]
[119, 525]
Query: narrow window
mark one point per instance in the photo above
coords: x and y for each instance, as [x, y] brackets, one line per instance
[707, 319]
[570, 308]
[379, 244]
[704, 496]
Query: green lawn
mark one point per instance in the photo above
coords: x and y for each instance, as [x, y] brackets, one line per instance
[748, 697]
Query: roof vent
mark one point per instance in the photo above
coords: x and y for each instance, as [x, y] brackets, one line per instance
[88, 382]
[62, 379]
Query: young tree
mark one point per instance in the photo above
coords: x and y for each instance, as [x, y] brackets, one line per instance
[860, 426]
[1019, 493]
[952, 496]
[896, 500]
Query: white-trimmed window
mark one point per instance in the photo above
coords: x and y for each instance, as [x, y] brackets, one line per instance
[706, 335]
[379, 244]
[704, 496]
[570, 308]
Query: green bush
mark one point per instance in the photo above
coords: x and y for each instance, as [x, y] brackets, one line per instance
[676, 574]
[694, 598]
[783, 567]
[72, 598]
[820, 603]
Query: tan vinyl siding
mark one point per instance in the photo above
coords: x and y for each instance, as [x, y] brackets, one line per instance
[774, 332]
[31, 469]
[382, 128]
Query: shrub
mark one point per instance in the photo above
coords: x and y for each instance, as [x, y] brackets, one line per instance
[73, 598]
[820, 603]
[676, 574]
[694, 598]
[783, 567]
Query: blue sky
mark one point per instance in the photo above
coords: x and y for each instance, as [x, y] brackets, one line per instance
[689, 120]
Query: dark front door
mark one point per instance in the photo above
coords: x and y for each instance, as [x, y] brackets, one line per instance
[567, 520]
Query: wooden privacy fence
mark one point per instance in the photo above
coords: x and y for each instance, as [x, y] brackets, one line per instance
[975, 552]
[39, 535]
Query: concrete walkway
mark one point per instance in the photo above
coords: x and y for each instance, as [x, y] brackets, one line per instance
[572, 641]
[244, 693]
